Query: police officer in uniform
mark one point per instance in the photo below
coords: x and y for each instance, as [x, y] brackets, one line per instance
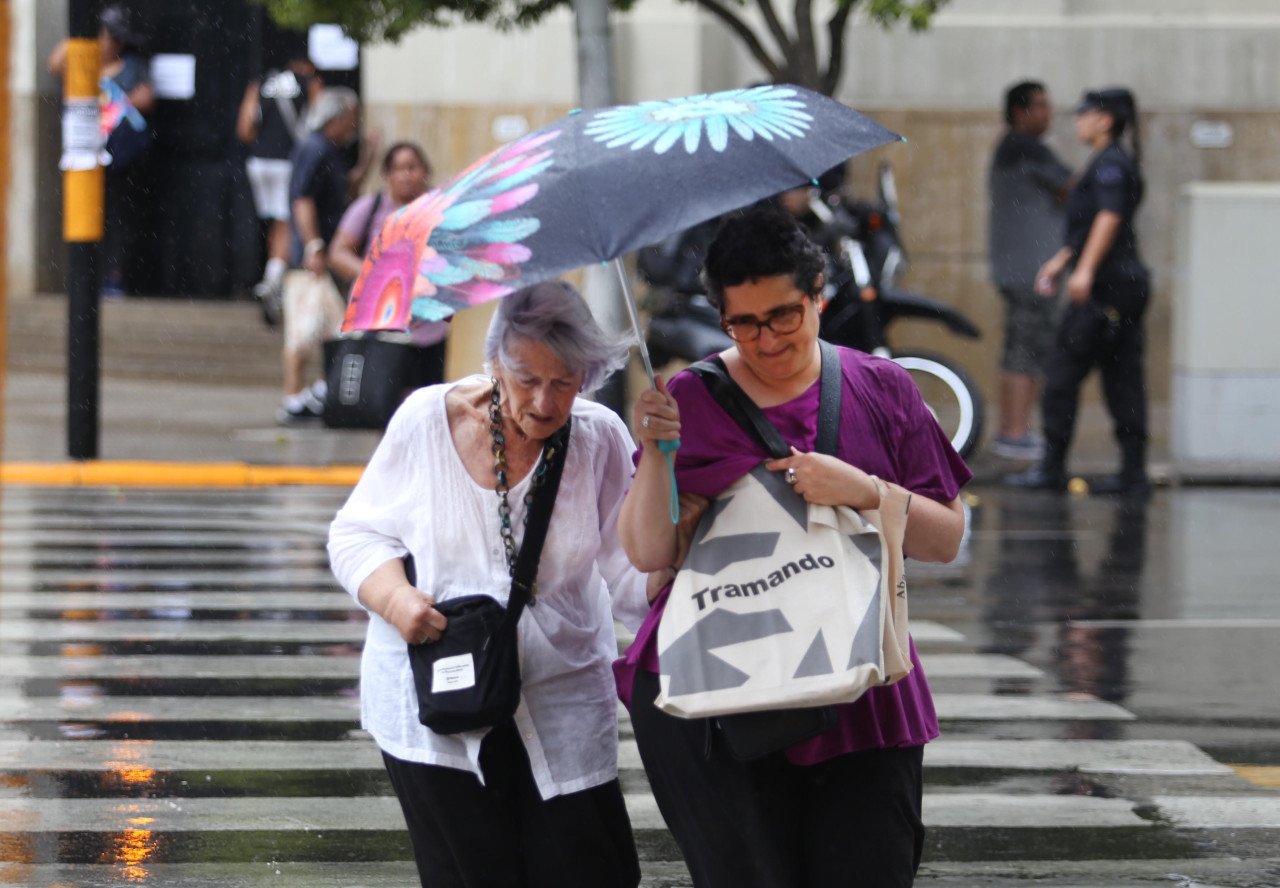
[1108, 288]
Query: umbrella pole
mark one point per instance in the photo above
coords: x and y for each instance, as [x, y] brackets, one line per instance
[634, 314]
[667, 447]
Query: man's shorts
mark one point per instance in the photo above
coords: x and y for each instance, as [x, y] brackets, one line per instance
[269, 181]
[313, 310]
[1028, 330]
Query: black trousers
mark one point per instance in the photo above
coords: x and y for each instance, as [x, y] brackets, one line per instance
[1105, 332]
[849, 821]
[502, 834]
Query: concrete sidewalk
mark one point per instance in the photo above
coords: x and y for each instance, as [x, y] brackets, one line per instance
[173, 421]
[190, 422]
[197, 381]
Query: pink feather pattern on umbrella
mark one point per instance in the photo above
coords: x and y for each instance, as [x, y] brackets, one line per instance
[450, 249]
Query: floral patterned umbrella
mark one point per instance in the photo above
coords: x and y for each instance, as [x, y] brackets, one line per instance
[592, 187]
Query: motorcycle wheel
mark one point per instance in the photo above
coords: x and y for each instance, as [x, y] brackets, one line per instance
[951, 395]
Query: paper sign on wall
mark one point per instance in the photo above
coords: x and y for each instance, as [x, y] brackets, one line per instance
[173, 76]
[330, 49]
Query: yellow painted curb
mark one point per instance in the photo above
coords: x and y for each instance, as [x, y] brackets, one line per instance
[1262, 775]
[166, 474]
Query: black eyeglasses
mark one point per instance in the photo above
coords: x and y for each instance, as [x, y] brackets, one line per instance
[783, 320]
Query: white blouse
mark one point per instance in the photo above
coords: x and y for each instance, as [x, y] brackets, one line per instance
[416, 496]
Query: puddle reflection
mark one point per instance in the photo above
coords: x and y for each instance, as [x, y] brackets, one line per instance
[1048, 573]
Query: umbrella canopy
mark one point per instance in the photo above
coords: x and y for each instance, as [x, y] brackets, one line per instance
[593, 186]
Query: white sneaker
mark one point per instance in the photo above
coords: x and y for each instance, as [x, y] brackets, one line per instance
[270, 298]
[1029, 446]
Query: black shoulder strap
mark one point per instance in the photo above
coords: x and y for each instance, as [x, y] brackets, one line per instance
[366, 240]
[830, 389]
[535, 529]
[744, 411]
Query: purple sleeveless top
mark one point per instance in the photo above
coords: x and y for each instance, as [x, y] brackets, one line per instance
[885, 430]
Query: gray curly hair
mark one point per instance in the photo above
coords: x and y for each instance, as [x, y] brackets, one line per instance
[554, 312]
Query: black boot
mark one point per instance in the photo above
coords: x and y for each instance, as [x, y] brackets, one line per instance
[1124, 484]
[1041, 476]
[1133, 472]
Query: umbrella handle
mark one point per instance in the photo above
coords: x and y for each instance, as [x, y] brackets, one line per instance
[666, 447]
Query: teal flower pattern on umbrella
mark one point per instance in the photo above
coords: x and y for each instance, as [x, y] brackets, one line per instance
[593, 186]
[764, 111]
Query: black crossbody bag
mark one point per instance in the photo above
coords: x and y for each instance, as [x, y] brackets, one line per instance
[470, 678]
[751, 735]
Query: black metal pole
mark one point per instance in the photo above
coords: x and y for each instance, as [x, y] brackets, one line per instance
[82, 228]
[83, 346]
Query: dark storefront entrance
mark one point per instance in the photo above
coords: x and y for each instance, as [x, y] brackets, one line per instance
[196, 230]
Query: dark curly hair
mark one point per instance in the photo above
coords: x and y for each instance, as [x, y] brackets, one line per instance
[763, 241]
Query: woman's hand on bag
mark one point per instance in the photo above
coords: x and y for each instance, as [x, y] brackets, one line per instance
[826, 481]
[411, 611]
[656, 416]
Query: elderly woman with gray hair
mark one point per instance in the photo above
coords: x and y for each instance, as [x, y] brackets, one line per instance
[534, 801]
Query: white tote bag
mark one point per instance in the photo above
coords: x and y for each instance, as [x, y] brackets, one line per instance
[781, 604]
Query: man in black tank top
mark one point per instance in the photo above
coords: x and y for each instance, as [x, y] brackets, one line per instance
[272, 121]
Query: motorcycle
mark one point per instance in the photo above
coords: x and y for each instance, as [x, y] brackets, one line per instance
[864, 260]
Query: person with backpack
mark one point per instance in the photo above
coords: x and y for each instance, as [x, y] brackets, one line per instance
[407, 174]
[127, 96]
[272, 121]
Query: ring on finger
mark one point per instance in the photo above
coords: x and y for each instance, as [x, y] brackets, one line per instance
[645, 422]
[791, 476]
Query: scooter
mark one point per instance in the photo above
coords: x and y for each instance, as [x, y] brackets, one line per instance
[865, 259]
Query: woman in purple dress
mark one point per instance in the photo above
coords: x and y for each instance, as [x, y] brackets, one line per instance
[844, 807]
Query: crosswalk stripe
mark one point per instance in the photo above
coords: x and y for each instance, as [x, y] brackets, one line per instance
[351, 629]
[308, 666]
[254, 600]
[1086, 756]
[951, 707]
[266, 576]
[191, 755]
[1027, 811]
[1225, 812]
[90, 707]
[158, 666]
[979, 707]
[1135, 757]
[383, 813]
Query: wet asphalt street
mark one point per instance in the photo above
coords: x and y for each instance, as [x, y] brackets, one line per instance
[178, 695]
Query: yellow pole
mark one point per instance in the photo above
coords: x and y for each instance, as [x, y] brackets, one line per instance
[82, 189]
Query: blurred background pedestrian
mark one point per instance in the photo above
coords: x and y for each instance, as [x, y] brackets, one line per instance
[319, 189]
[406, 174]
[272, 121]
[1108, 288]
[126, 98]
[1028, 186]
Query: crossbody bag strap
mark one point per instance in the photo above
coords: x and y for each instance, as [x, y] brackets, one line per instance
[747, 414]
[535, 529]
[830, 390]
